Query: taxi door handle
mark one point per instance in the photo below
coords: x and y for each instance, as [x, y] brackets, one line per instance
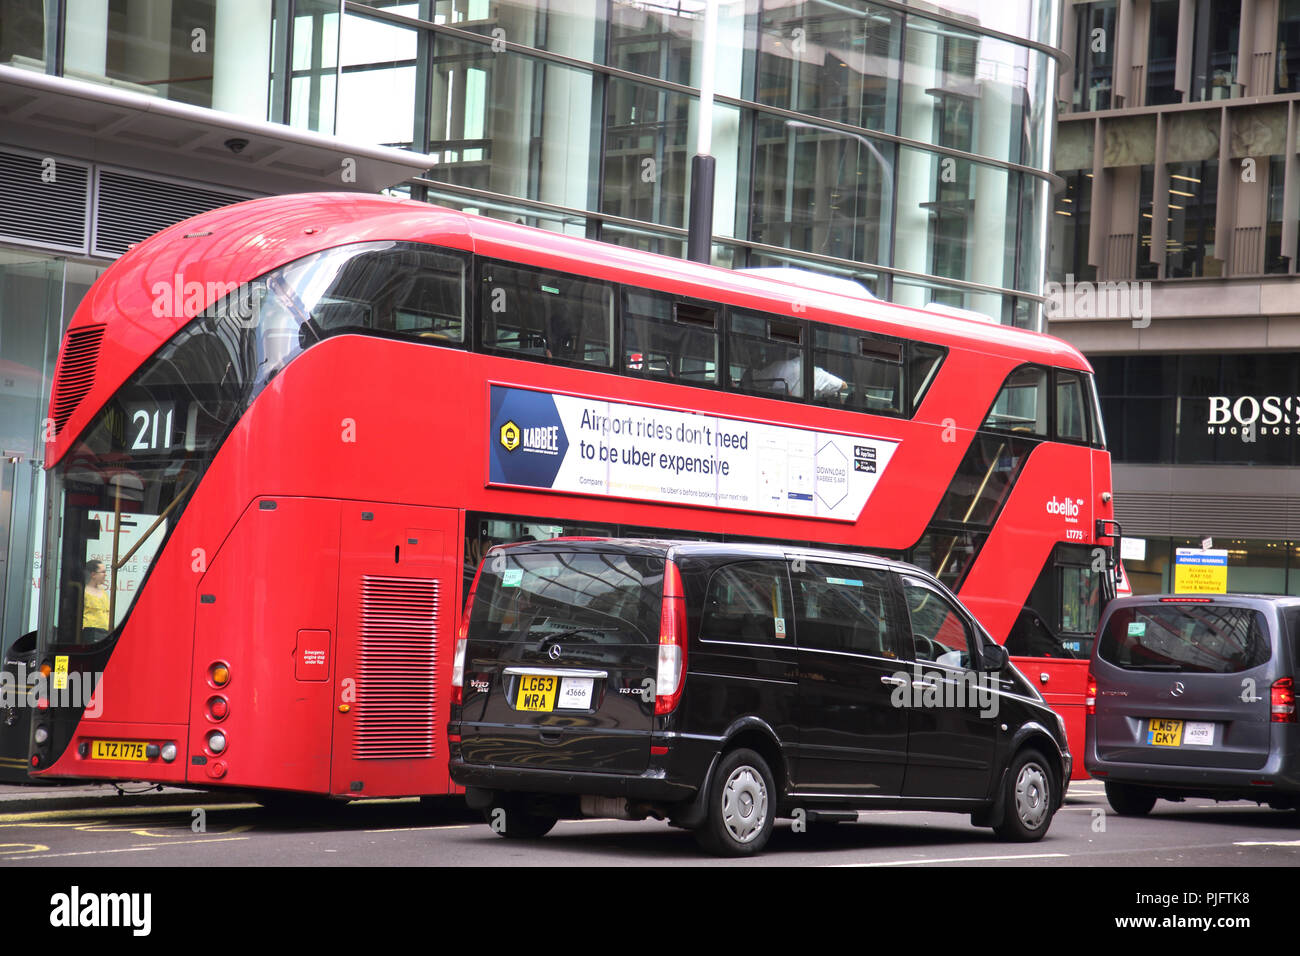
[894, 681]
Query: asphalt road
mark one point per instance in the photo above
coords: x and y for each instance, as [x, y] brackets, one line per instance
[1084, 833]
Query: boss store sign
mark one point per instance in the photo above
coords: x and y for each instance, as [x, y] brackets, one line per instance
[1199, 408]
[1249, 415]
[1239, 428]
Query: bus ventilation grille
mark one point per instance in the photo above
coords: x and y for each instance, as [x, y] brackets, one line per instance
[76, 372]
[396, 680]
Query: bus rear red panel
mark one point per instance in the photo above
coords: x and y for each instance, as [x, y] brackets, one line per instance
[267, 596]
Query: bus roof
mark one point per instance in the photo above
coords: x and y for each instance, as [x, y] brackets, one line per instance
[153, 290]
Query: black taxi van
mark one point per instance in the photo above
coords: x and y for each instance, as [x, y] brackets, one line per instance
[720, 686]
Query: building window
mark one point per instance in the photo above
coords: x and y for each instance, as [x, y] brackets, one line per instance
[1094, 55]
[822, 191]
[1071, 223]
[840, 66]
[1288, 46]
[1275, 260]
[1193, 195]
[1162, 53]
[1146, 268]
[1214, 49]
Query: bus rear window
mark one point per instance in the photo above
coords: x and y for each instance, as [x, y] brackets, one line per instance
[579, 597]
[1186, 638]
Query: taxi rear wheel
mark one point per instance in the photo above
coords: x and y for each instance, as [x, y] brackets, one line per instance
[742, 806]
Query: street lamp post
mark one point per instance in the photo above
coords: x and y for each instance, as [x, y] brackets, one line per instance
[704, 167]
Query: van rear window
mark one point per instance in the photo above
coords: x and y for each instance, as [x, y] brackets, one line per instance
[577, 597]
[1186, 638]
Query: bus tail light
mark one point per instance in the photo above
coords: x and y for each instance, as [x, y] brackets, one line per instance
[1283, 701]
[219, 673]
[218, 708]
[672, 642]
[217, 742]
[1090, 699]
[462, 638]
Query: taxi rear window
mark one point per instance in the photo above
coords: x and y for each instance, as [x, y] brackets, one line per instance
[1186, 638]
[582, 597]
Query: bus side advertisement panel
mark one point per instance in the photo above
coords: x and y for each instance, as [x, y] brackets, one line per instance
[613, 449]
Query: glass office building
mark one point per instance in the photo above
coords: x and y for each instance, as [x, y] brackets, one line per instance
[904, 145]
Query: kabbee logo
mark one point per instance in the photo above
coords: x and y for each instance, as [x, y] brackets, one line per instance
[510, 436]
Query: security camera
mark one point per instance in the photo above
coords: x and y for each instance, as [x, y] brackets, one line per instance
[236, 145]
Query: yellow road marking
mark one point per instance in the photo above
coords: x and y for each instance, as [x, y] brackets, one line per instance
[6, 818]
[125, 849]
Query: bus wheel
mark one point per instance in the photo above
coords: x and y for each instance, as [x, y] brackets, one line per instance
[513, 820]
[1028, 801]
[1129, 801]
[742, 806]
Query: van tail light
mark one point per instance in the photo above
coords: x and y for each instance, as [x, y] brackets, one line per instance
[1283, 701]
[672, 643]
[462, 638]
[1090, 698]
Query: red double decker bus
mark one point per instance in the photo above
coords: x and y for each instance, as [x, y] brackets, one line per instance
[285, 432]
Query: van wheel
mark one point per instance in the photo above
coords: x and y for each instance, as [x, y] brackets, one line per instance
[511, 819]
[742, 806]
[1129, 801]
[1028, 799]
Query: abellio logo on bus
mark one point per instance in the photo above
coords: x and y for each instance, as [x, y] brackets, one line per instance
[1068, 508]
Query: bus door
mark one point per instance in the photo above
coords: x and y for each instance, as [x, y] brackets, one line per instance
[399, 587]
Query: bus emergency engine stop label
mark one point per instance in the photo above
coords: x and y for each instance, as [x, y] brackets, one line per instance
[563, 443]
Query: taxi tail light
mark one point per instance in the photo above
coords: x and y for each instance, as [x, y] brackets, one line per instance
[462, 638]
[1090, 698]
[1283, 701]
[672, 643]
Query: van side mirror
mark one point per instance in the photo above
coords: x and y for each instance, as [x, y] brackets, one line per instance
[993, 658]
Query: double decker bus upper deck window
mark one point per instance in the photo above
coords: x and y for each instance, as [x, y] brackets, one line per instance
[922, 367]
[859, 371]
[766, 355]
[398, 288]
[668, 339]
[1021, 406]
[546, 315]
[1098, 431]
[1071, 409]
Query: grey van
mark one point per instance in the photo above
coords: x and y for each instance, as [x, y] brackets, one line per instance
[1194, 696]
